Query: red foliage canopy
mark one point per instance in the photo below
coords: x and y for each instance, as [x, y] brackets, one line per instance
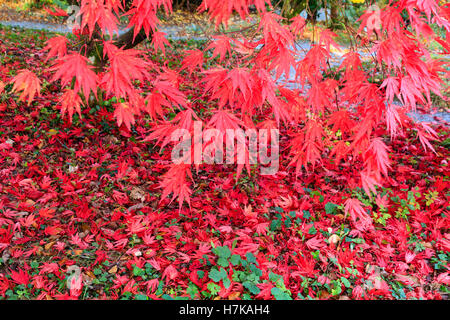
[323, 116]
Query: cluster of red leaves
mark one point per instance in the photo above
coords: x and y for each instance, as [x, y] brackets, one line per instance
[243, 87]
[88, 195]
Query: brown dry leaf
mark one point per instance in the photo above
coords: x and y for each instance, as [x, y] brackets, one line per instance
[234, 295]
[113, 270]
[5, 256]
[137, 194]
[49, 245]
[89, 274]
[30, 202]
[136, 207]
[427, 245]
[333, 239]
[324, 294]
[39, 251]
[77, 252]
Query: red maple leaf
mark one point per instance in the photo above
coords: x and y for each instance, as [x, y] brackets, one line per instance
[56, 46]
[175, 182]
[55, 11]
[124, 114]
[70, 103]
[360, 217]
[75, 67]
[125, 67]
[27, 82]
[193, 59]
[160, 42]
[20, 277]
[221, 46]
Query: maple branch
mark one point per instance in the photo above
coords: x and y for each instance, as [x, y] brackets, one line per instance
[128, 41]
[125, 41]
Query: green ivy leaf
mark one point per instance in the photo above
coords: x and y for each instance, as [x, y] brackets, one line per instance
[192, 290]
[275, 225]
[213, 288]
[345, 282]
[215, 275]
[223, 252]
[251, 287]
[250, 257]
[223, 262]
[279, 294]
[330, 208]
[235, 259]
[226, 283]
[312, 230]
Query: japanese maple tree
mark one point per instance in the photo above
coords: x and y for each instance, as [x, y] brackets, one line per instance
[263, 81]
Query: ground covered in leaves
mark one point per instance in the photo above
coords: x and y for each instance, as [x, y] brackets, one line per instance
[85, 197]
[26, 11]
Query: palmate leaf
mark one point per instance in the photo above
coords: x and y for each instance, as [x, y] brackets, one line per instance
[223, 120]
[20, 277]
[175, 182]
[143, 14]
[359, 216]
[75, 67]
[298, 24]
[326, 38]
[99, 13]
[369, 180]
[377, 157]
[125, 67]
[341, 121]
[392, 90]
[170, 92]
[241, 80]
[56, 46]
[340, 150]
[193, 59]
[220, 11]
[160, 42]
[28, 83]
[425, 134]
[164, 94]
[70, 102]
[162, 133]
[221, 46]
[124, 114]
[154, 103]
[369, 21]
